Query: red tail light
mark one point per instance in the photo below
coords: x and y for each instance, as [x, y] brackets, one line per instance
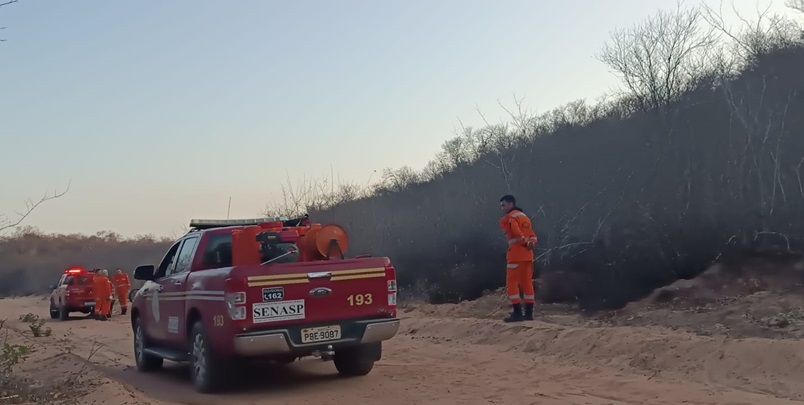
[235, 297]
[390, 279]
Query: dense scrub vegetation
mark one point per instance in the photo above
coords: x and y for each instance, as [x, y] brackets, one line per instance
[698, 159]
[31, 260]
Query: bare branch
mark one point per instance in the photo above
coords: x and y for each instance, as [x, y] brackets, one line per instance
[30, 206]
[767, 33]
[661, 58]
[2, 28]
[796, 5]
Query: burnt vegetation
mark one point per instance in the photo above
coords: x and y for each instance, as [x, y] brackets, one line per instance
[697, 159]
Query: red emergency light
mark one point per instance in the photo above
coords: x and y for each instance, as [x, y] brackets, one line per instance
[74, 271]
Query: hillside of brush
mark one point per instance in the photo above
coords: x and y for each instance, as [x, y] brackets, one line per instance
[698, 160]
[31, 260]
[622, 203]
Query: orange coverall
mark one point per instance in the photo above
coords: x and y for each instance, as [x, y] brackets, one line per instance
[121, 287]
[102, 289]
[519, 231]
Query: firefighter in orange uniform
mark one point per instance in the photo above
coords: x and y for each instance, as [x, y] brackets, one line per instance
[121, 287]
[521, 241]
[96, 311]
[102, 289]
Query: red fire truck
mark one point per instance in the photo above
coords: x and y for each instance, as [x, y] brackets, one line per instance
[267, 288]
[73, 293]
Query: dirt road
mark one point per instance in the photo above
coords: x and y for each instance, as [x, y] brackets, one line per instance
[438, 359]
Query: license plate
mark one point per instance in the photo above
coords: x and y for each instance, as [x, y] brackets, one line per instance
[90, 303]
[322, 334]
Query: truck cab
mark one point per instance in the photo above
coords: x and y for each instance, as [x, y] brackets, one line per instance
[268, 288]
[72, 293]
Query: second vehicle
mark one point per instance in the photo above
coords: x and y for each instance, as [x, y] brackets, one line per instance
[72, 293]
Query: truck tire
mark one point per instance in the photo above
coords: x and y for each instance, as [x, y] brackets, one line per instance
[209, 373]
[54, 312]
[145, 362]
[355, 361]
[64, 314]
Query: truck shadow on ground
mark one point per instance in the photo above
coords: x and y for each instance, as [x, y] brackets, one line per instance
[71, 318]
[258, 380]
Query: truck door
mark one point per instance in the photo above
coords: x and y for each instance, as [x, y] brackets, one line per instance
[174, 292]
[59, 293]
[155, 319]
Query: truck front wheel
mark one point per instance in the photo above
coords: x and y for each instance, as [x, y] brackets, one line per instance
[358, 360]
[145, 362]
[209, 373]
[54, 311]
[64, 314]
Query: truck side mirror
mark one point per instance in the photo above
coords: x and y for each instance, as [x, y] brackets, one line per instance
[145, 273]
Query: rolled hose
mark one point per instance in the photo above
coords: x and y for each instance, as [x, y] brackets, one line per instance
[316, 241]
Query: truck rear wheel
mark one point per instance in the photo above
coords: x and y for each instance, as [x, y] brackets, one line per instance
[358, 360]
[145, 362]
[209, 373]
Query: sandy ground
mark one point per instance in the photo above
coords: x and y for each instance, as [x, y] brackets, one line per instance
[462, 354]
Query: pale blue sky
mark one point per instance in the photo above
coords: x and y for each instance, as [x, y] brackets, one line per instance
[159, 111]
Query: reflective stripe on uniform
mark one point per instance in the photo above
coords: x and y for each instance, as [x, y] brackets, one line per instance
[530, 297]
[513, 297]
[514, 240]
[512, 265]
[517, 214]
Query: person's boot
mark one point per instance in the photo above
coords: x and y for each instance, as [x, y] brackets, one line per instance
[104, 318]
[516, 314]
[123, 311]
[529, 312]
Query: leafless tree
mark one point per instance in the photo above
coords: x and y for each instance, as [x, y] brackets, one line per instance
[309, 194]
[30, 206]
[660, 58]
[796, 5]
[399, 179]
[5, 3]
[768, 32]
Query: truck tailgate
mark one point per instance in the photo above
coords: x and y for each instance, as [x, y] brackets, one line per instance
[81, 292]
[318, 292]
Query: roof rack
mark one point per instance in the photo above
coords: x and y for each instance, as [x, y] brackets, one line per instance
[219, 223]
